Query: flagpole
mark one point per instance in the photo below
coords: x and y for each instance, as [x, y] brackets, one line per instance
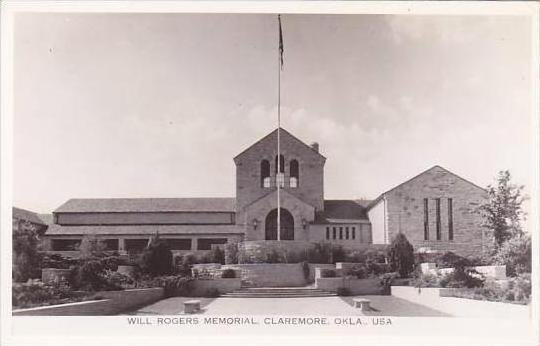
[280, 52]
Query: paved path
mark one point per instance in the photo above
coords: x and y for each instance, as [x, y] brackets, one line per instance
[383, 305]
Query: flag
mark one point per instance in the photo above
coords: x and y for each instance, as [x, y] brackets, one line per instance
[280, 42]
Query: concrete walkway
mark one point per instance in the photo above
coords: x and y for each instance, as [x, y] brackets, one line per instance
[382, 306]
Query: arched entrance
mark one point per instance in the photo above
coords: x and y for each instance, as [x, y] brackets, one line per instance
[286, 225]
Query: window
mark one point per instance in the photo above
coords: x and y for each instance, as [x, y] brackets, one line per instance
[333, 233]
[111, 244]
[346, 232]
[341, 233]
[353, 232]
[438, 217]
[179, 244]
[294, 173]
[281, 164]
[135, 245]
[206, 244]
[450, 220]
[265, 173]
[280, 180]
[426, 219]
[65, 244]
[327, 232]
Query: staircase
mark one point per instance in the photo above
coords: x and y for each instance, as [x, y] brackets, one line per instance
[278, 292]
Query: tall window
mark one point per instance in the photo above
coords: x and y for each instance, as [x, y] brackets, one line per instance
[438, 217]
[426, 219]
[327, 232]
[353, 232]
[333, 233]
[346, 232]
[294, 173]
[341, 233]
[265, 173]
[450, 220]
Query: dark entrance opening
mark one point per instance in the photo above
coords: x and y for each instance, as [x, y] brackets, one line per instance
[286, 225]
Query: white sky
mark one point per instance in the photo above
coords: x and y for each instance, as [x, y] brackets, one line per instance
[157, 105]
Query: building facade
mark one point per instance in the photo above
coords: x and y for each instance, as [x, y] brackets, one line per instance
[435, 210]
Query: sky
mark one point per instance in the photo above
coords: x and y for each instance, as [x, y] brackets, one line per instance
[157, 105]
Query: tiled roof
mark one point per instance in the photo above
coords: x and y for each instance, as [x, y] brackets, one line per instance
[89, 205]
[27, 215]
[55, 230]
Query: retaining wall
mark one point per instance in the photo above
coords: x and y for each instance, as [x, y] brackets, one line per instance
[271, 274]
[355, 286]
[435, 298]
[113, 302]
[202, 287]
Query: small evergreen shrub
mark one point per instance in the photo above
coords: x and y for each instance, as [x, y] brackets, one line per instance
[156, 258]
[228, 274]
[401, 255]
[305, 270]
[231, 253]
[385, 281]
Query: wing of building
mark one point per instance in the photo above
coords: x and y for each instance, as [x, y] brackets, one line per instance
[435, 210]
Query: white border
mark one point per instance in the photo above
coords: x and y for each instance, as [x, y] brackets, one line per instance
[9, 8]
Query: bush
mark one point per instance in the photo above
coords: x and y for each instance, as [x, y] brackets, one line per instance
[516, 254]
[426, 280]
[305, 270]
[212, 293]
[338, 254]
[184, 264]
[451, 260]
[218, 255]
[91, 246]
[358, 271]
[173, 285]
[343, 291]
[328, 273]
[273, 257]
[156, 259]
[462, 277]
[35, 293]
[228, 274]
[57, 261]
[401, 255]
[385, 281]
[320, 253]
[231, 253]
[26, 261]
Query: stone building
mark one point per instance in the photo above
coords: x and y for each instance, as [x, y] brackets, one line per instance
[434, 210]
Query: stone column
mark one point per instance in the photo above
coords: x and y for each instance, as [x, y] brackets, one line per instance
[194, 244]
[121, 246]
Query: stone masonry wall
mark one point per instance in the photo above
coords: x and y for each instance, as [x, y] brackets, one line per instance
[405, 212]
[248, 164]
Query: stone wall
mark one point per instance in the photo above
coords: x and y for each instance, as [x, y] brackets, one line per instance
[354, 286]
[405, 212]
[271, 274]
[203, 287]
[113, 302]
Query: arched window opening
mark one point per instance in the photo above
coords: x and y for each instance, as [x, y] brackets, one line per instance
[265, 173]
[294, 180]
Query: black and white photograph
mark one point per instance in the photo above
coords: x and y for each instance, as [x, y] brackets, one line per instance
[355, 173]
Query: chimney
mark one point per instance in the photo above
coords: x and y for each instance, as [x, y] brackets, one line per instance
[315, 146]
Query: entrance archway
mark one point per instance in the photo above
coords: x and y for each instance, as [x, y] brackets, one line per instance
[286, 225]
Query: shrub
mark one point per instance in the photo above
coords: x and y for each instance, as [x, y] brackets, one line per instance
[328, 273]
[385, 281]
[184, 264]
[91, 246]
[358, 271]
[26, 263]
[451, 260]
[156, 259]
[228, 274]
[320, 253]
[35, 293]
[173, 285]
[116, 281]
[462, 277]
[516, 254]
[401, 255]
[212, 293]
[426, 280]
[57, 261]
[218, 255]
[231, 253]
[338, 254]
[89, 276]
[343, 291]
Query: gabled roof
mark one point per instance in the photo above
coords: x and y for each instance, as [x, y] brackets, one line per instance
[27, 215]
[120, 205]
[282, 131]
[376, 200]
[145, 230]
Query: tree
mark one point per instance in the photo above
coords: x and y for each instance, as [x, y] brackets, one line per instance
[516, 254]
[91, 247]
[26, 259]
[156, 258]
[401, 255]
[502, 212]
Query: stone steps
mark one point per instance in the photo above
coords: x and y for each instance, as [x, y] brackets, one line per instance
[278, 292]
